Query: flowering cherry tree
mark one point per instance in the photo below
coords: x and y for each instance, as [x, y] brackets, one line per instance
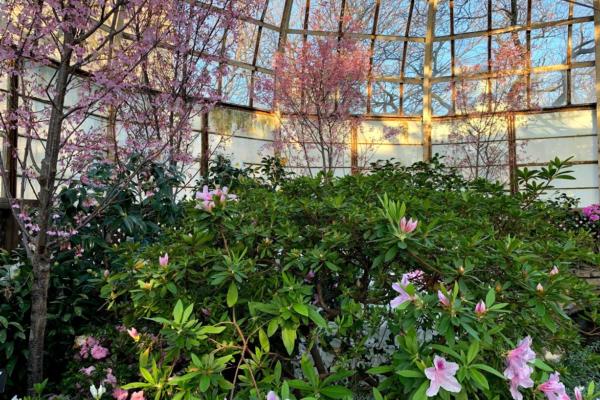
[317, 92]
[149, 65]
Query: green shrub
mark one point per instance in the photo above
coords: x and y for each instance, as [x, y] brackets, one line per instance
[289, 290]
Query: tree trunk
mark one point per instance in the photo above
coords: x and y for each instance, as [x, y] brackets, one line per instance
[41, 258]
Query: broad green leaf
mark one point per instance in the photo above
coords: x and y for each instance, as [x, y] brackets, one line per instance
[264, 340]
[479, 379]
[336, 392]
[232, 294]
[288, 336]
[473, 351]
[301, 309]
[409, 373]
[178, 311]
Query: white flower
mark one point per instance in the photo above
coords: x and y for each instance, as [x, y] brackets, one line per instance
[97, 392]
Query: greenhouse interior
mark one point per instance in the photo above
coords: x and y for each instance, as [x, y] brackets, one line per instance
[299, 199]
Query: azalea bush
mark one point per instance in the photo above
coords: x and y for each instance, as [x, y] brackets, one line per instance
[404, 283]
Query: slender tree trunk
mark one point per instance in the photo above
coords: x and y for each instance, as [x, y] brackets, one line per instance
[41, 258]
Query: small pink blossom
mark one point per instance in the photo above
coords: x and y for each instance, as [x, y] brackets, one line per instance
[578, 393]
[480, 308]
[88, 371]
[110, 378]
[135, 335]
[120, 394]
[441, 375]
[554, 271]
[163, 260]
[408, 226]
[98, 352]
[443, 299]
[137, 395]
[553, 388]
[401, 288]
[518, 370]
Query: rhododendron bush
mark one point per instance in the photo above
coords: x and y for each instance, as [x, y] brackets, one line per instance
[408, 283]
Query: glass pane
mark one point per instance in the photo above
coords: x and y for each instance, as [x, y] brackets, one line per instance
[549, 10]
[385, 98]
[470, 16]
[583, 42]
[548, 89]
[442, 18]
[268, 46]
[583, 85]
[362, 12]
[442, 61]
[393, 16]
[583, 8]
[387, 57]
[508, 13]
[274, 12]
[548, 46]
[236, 86]
[298, 14]
[412, 103]
[414, 59]
[325, 15]
[418, 22]
[472, 53]
[441, 98]
[243, 44]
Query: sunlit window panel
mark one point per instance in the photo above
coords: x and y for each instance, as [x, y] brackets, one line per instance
[387, 57]
[549, 10]
[243, 43]
[267, 48]
[583, 85]
[274, 12]
[385, 98]
[548, 46]
[509, 51]
[297, 16]
[236, 86]
[508, 13]
[361, 108]
[583, 8]
[258, 10]
[418, 22]
[442, 18]
[549, 89]
[470, 96]
[442, 59]
[470, 16]
[441, 98]
[472, 53]
[583, 42]
[362, 12]
[412, 100]
[393, 17]
[414, 59]
[508, 92]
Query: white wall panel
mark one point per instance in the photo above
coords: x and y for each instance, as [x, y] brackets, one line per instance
[565, 123]
[542, 150]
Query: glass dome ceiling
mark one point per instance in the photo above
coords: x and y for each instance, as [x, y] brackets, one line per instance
[557, 37]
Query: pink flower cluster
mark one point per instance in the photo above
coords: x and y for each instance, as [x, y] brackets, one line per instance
[592, 212]
[91, 346]
[208, 197]
[121, 394]
[553, 388]
[518, 370]
[401, 289]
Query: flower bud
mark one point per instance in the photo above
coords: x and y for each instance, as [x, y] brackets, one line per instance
[554, 271]
[461, 270]
[480, 308]
[539, 288]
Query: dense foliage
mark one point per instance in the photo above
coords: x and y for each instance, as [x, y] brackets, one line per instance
[291, 290]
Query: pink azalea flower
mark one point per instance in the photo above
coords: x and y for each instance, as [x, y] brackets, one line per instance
[480, 308]
[163, 260]
[443, 299]
[135, 335]
[401, 288]
[553, 388]
[518, 370]
[138, 395]
[272, 396]
[408, 226]
[98, 352]
[578, 394]
[88, 371]
[441, 375]
[554, 271]
[120, 394]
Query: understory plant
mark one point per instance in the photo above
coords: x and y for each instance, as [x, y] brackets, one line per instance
[406, 283]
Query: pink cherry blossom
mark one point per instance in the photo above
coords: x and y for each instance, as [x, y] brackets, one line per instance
[443, 299]
[408, 226]
[98, 352]
[120, 394]
[272, 396]
[401, 288]
[518, 370]
[163, 260]
[553, 388]
[480, 308]
[442, 375]
[138, 395]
